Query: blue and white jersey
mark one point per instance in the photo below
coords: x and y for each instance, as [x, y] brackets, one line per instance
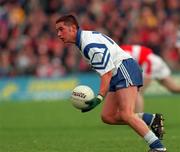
[102, 53]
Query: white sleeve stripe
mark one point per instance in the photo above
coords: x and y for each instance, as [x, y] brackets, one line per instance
[125, 73]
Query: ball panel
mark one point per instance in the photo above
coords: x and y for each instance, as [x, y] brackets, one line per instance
[80, 94]
[79, 104]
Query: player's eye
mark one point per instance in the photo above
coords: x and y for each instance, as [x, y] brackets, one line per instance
[59, 30]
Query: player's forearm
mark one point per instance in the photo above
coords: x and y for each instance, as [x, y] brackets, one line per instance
[105, 82]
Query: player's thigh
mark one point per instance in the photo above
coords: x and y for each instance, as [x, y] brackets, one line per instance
[139, 106]
[110, 106]
[146, 82]
[126, 98]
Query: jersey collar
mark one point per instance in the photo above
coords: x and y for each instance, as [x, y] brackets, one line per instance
[78, 37]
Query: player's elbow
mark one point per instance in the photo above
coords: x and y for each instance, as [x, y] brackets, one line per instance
[175, 90]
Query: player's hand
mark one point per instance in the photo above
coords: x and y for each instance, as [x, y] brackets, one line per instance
[93, 103]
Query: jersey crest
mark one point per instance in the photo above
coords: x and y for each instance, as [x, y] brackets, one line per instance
[98, 55]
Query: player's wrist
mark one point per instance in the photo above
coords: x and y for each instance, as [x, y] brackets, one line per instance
[100, 97]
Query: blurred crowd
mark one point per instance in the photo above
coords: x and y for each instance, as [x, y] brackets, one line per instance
[29, 45]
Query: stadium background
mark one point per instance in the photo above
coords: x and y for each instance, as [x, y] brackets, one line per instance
[29, 46]
[36, 66]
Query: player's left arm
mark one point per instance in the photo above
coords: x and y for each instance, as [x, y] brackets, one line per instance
[104, 87]
[101, 61]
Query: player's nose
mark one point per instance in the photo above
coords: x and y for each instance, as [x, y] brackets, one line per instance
[59, 33]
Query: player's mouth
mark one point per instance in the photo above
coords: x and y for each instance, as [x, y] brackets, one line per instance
[62, 39]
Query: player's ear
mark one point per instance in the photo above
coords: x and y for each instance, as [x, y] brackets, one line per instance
[73, 28]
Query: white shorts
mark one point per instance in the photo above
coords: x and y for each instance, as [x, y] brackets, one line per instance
[159, 69]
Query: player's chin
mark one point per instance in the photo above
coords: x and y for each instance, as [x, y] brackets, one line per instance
[64, 41]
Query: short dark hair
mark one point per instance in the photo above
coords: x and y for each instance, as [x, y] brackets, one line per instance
[68, 20]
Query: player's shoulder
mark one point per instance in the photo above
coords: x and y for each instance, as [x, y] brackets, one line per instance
[89, 37]
[145, 48]
[87, 33]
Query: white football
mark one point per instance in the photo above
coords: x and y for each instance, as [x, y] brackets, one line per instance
[80, 94]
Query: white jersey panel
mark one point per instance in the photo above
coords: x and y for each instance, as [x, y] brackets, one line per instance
[136, 50]
[160, 69]
[102, 53]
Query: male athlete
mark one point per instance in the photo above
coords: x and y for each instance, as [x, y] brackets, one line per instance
[120, 78]
[153, 68]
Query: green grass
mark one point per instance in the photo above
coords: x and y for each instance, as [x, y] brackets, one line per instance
[58, 127]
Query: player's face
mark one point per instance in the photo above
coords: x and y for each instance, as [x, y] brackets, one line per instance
[65, 33]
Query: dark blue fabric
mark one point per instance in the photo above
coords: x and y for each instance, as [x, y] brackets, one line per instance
[78, 38]
[129, 74]
[156, 144]
[147, 118]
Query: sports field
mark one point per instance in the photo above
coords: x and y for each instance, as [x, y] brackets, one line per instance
[58, 127]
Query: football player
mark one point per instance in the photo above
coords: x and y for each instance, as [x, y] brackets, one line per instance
[120, 77]
[154, 68]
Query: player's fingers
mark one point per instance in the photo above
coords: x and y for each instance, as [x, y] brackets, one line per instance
[85, 110]
[88, 102]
